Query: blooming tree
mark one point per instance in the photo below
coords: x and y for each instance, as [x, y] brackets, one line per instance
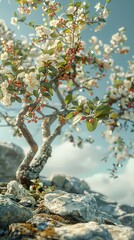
[53, 76]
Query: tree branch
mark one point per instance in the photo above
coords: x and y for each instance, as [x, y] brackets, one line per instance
[59, 95]
[21, 172]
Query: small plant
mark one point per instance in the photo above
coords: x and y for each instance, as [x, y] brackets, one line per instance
[38, 190]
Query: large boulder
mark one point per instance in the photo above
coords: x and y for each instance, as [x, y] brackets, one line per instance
[11, 212]
[77, 207]
[10, 158]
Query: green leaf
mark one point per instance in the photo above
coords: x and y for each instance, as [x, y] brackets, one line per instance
[77, 118]
[75, 103]
[70, 16]
[42, 69]
[50, 90]
[90, 104]
[67, 31]
[35, 93]
[102, 111]
[22, 19]
[18, 99]
[13, 99]
[46, 84]
[61, 64]
[113, 115]
[50, 51]
[108, 1]
[54, 35]
[47, 95]
[53, 70]
[10, 88]
[69, 115]
[91, 124]
[68, 99]
[78, 4]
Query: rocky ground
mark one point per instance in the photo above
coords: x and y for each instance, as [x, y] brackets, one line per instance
[65, 209]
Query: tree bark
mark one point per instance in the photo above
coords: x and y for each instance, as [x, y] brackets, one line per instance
[31, 166]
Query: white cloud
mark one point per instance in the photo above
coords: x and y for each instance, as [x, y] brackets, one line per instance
[85, 163]
[120, 189]
[73, 161]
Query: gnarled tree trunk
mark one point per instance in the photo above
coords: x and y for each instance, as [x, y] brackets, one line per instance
[31, 166]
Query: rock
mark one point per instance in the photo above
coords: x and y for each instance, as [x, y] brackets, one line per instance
[79, 207]
[79, 231]
[10, 158]
[28, 231]
[106, 205]
[13, 187]
[126, 208]
[69, 184]
[120, 232]
[58, 180]
[127, 220]
[83, 231]
[28, 201]
[11, 212]
[43, 220]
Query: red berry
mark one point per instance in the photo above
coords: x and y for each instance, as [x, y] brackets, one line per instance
[83, 118]
[91, 120]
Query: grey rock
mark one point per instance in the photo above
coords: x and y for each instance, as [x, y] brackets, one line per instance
[104, 203]
[28, 201]
[69, 184]
[79, 207]
[83, 231]
[127, 220]
[58, 180]
[10, 158]
[13, 187]
[46, 220]
[126, 208]
[11, 212]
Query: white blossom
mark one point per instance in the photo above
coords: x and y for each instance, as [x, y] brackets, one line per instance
[21, 75]
[127, 84]
[97, 49]
[31, 81]
[6, 100]
[44, 58]
[93, 40]
[105, 13]
[14, 21]
[107, 48]
[53, 23]
[41, 31]
[97, 6]
[4, 56]
[116, 37]
[4, 86]
[71, 10]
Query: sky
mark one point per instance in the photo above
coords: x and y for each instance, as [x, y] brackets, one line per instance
[85, 163]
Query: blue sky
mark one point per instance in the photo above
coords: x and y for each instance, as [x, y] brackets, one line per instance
[91, 168]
